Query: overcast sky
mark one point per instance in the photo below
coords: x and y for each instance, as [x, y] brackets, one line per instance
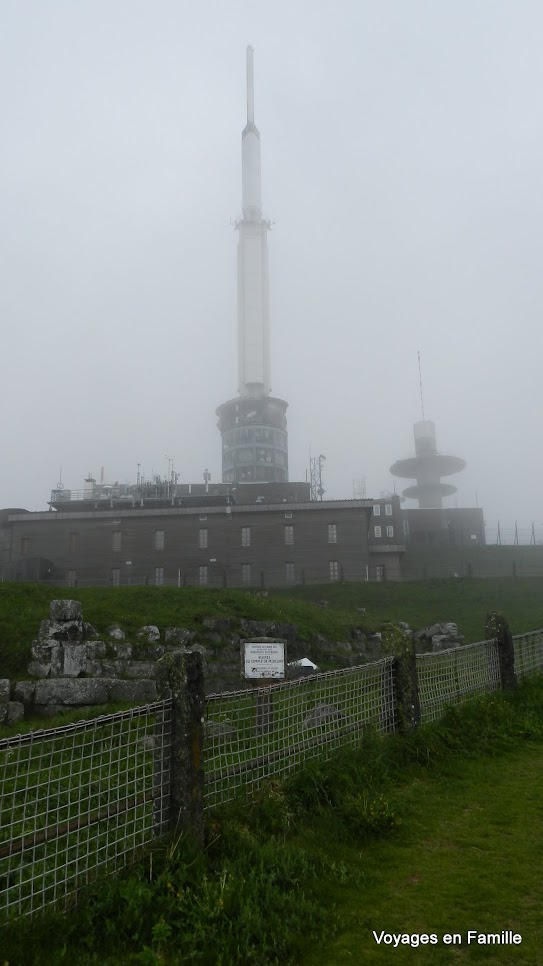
[402, 147]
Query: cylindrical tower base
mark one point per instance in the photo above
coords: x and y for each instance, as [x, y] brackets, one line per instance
[254, 440]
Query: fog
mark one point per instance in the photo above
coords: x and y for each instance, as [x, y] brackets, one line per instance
[402, 158]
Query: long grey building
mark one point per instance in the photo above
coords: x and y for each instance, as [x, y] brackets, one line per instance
[259, 535]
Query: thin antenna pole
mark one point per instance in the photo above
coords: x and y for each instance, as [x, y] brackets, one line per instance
[420, 384]
[250, 87]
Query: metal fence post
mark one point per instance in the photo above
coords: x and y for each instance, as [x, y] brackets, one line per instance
[498, 628]
[180, 675]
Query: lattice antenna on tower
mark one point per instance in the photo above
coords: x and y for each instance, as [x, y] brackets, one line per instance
[316, 464]
[359, 488]
[420, 385]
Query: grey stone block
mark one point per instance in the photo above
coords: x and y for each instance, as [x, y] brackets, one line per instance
[140, 669]
[4, 690]
[149, 633]
[150, 652]
[61, 630]
[15, 712]
[179, 635]
[89, 632]
[3, 713]
[75, 660]
[74, 691]
[65, 610]
[116, 632]
[136, 691]
[94, 669]
[24, 691]
[113, 669]
[121, 651]
[96, 650]
[39, 670]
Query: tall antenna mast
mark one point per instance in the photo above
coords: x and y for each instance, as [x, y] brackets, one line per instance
[250, 87]
[420, 385]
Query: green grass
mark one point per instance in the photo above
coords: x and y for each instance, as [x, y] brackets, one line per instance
[467, 857]
[24, 605]
[437, 832]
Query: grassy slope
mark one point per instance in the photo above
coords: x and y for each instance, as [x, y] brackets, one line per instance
[23, 606]
[469, 857]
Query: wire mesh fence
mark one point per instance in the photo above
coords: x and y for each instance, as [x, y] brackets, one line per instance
[78, 800]
[253, 734]
[83, 799]
[528, 653]
[451, 676]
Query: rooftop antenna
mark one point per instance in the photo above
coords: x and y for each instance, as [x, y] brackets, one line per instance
[60, 485]
[420, 385]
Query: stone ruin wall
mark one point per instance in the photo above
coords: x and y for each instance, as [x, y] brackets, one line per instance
[72, 667]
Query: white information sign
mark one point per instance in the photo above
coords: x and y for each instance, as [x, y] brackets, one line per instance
[264, 660]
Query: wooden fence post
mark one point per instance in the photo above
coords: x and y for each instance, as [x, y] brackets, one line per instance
[180, 675]
[401, 647]
[497, 627]
[406, 688]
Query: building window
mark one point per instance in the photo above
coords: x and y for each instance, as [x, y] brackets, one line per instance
[159, 576]
[202, 538]
[288, 514]
[334, 569]
[72, 545]
[289, 535]
[203, 516]
[390, 531]
[388, 509]
[25, 545]
[376, 510]
[377, 531]
[332, 533]
[202, 574]
[245, 536]
[246, 573]
[380, 572]
[290, 572]
[116, 540]
[158, 540]
[116, 577]
[71, 578]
